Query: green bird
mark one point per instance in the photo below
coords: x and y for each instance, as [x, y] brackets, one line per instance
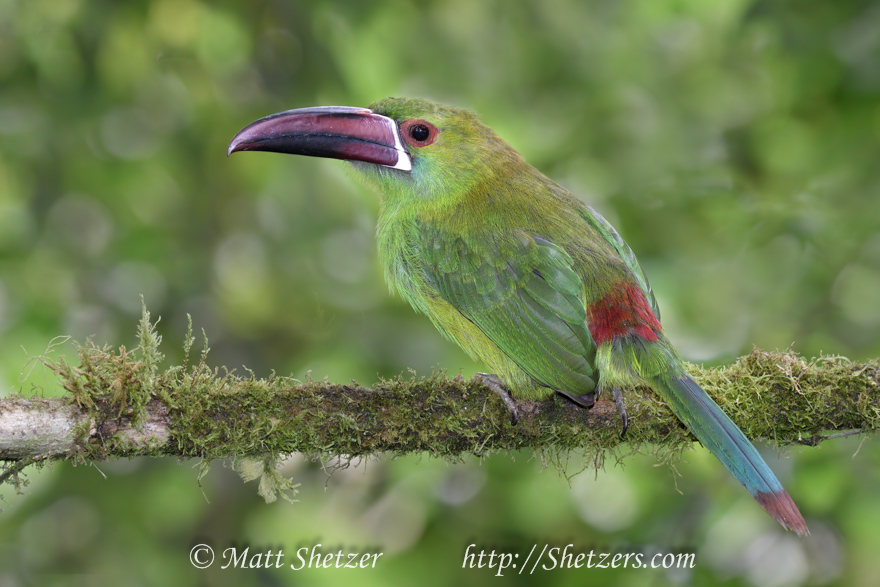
[521, 274]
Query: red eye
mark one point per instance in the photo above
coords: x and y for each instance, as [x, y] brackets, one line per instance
[418, 133]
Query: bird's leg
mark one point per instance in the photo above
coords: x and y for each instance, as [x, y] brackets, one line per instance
[494, 383]
[585, 401]
[621, 409]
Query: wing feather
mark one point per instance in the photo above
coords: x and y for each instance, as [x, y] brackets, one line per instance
[524, 295]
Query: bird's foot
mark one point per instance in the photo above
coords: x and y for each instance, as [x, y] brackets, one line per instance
[494, 383]
[585, 401]
[621, 409]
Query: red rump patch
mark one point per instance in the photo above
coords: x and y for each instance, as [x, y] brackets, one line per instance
[622, 311]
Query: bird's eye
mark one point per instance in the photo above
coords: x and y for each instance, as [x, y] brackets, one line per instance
[418, 133]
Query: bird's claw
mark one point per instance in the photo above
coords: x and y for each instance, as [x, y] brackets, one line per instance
[494, 383]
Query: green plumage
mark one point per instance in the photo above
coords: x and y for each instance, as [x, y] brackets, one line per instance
[463, 237]
[506, 263]
[521, 274]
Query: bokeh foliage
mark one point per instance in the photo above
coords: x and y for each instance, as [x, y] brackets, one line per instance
[734, 144]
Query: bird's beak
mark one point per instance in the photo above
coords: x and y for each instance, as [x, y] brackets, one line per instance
[338, 132]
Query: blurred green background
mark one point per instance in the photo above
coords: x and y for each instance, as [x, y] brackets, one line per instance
[734, 144]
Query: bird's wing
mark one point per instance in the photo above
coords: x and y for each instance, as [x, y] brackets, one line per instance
[607, 231]
[523, 294]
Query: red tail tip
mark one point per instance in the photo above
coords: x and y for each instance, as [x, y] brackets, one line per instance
[780, 505]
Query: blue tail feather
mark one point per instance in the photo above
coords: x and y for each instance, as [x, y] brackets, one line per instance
[718, 433]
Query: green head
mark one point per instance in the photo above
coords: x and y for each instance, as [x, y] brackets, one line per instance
[409, 149]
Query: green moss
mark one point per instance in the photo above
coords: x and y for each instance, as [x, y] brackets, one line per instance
[213, 414]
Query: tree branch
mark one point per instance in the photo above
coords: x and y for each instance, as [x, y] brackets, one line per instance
[118, 406]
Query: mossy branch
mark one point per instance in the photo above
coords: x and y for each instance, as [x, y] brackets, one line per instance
[119, 404]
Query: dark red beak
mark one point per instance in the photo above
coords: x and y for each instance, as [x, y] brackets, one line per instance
[337, 132]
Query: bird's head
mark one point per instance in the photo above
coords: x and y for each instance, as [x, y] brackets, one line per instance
[407, 148]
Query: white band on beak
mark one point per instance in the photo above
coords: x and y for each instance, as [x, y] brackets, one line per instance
[404, 163]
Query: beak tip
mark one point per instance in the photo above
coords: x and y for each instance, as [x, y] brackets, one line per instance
[233, 147]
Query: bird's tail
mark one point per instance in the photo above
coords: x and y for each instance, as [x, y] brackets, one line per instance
[720, 435]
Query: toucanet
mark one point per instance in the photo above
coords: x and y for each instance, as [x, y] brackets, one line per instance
[524, 276]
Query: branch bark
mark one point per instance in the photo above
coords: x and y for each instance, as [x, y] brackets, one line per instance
[119, 405]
